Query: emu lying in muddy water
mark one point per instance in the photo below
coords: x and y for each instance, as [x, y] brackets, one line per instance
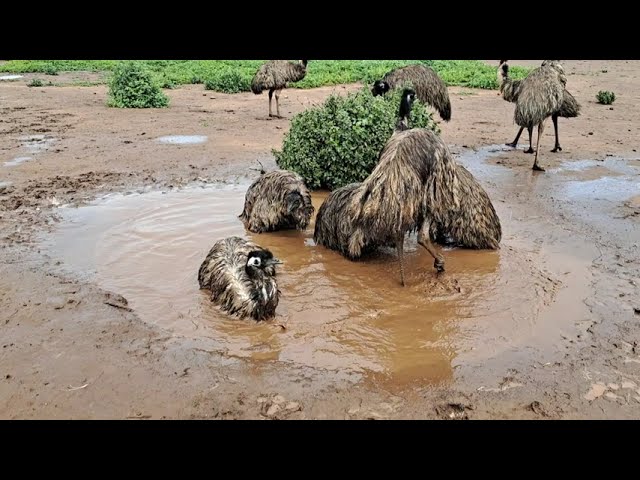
[277, 200]
[429, 87]
[241, 277]
[416, 186]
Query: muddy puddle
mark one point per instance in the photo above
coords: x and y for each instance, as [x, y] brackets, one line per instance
[16, 161]
[501, 308]
[334, 314]
[182, 139]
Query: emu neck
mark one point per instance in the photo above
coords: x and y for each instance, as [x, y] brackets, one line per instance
[403, 124]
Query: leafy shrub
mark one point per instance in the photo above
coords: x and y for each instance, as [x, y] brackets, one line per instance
[132, 86]
[339, 142]
[605, 97]
[228, 81]
[36, 82]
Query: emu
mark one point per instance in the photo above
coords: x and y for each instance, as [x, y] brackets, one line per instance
[416, 186]
[278, 200]
[275, 75]
[510, 89]
[241, 278]
[429, 87]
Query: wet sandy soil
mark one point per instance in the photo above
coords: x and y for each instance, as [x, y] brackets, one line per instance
[103, 226]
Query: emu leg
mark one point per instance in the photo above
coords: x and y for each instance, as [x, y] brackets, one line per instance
[425, 241]
[557, 147]
[278, 103]
[400, 247]
[514, 144]
[530, 150]
[271, 95]
[535, 161]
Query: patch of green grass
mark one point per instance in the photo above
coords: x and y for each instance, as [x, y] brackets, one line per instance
[232, 76]
[36, 82]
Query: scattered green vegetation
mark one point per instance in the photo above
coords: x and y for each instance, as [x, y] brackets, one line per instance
[235, 75]
[338, 143]
[133, 86]
[605, 97]
[36, 82]
[229, 81]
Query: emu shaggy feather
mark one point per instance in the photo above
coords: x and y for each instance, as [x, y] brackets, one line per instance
[233, 287]
[277, 200]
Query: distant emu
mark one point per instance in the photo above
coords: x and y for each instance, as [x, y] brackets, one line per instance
[429, 87]
[277, 200]
[275, 75]
[241, 277]
[416, 186]
[510, 90]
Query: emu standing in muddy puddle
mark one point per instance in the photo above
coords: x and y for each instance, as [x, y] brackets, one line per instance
[416, 186]
[241, 277]
[277, 200]
[510, 89]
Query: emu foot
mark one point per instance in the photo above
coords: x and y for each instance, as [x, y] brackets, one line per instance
[512, 145]
[529, 150]
[557, 148]
[537, 168]
[439, 265]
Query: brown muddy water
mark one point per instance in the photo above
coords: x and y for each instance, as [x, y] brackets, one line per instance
[334, 314]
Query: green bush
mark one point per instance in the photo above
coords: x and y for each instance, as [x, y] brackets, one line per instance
[338, 143]
[132, 86]
[605, 97]
[36, 82]
[228, 81]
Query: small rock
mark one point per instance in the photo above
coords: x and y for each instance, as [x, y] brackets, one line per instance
[273, 409]
[353, 411]
[597, 390]
[590, 133]
[630, 385]
[614, 386]
[611, 396]
[293, 406]
[262, 399]
[278, 399]
[636, 310]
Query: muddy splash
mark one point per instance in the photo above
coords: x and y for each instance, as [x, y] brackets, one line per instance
[334, 314]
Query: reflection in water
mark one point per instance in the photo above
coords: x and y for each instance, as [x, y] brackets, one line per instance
[333, 314]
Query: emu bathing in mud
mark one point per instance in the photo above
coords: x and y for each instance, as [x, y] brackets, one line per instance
[415, 186]
[241, 278]
[277, 200]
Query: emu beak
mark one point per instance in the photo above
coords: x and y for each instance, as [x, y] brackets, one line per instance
[274, 261]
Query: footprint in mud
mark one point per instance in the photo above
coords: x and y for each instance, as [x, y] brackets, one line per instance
[277, 407]
[613, 391]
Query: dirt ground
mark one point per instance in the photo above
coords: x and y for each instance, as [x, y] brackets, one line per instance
[71, 349]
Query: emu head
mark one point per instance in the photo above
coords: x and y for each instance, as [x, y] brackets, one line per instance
[261, 261]
[503, 71]
[380, 87]
[296, 208]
